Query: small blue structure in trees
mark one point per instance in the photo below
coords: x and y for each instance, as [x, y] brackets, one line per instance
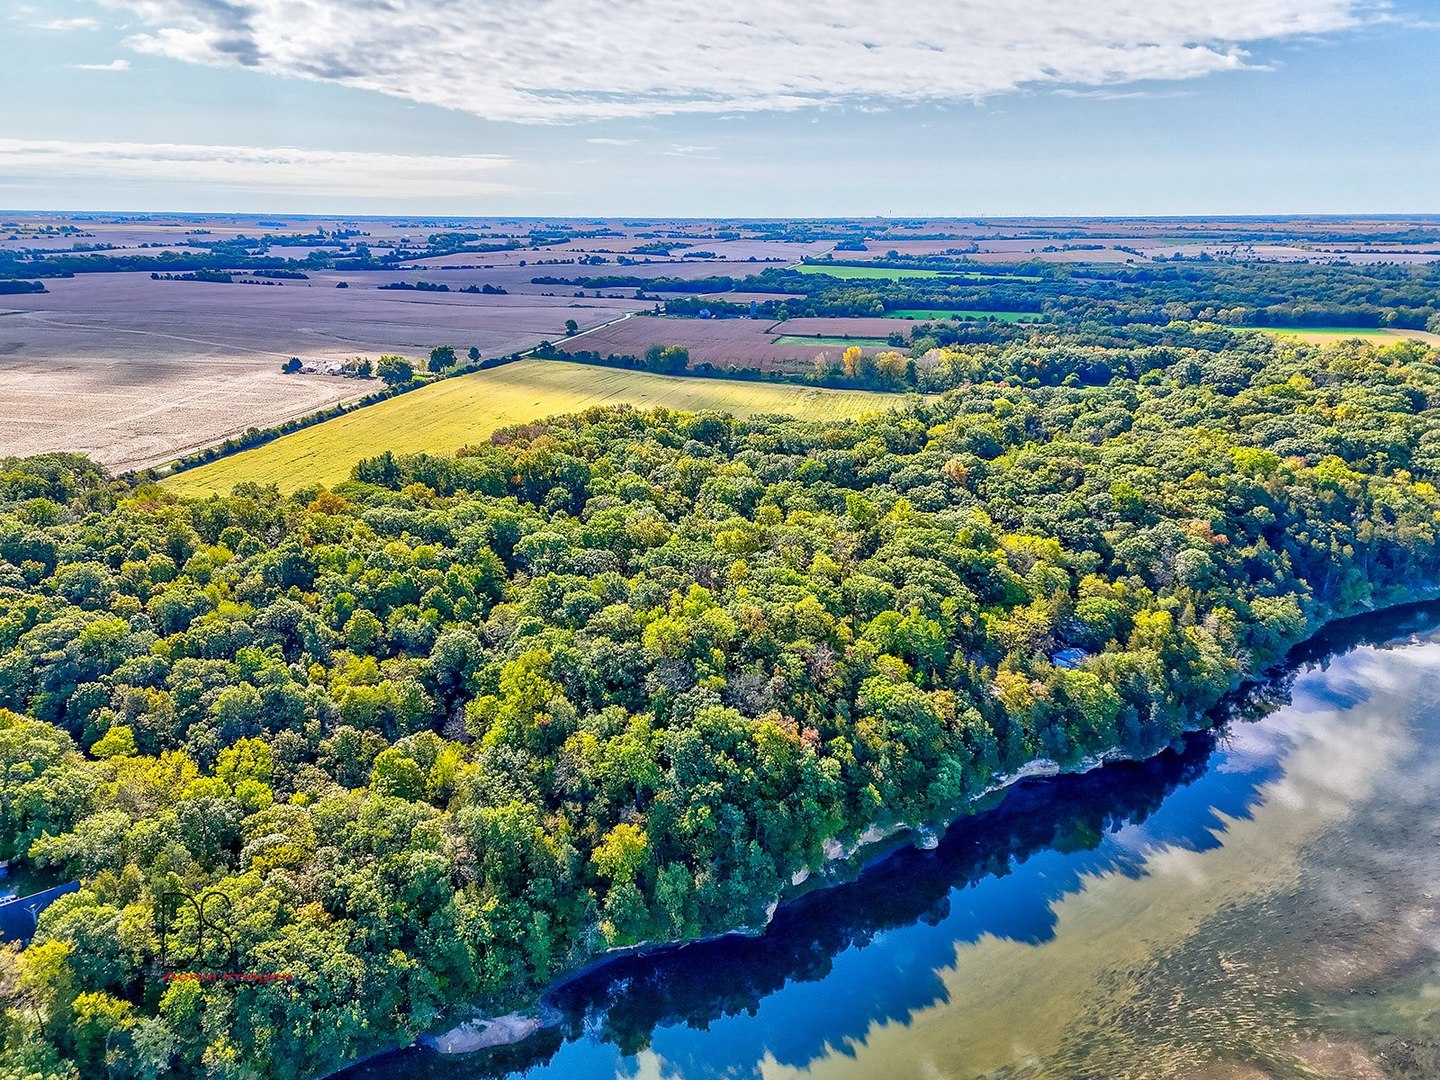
[19, 914]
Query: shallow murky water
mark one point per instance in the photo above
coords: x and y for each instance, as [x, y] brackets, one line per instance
[1264, 904]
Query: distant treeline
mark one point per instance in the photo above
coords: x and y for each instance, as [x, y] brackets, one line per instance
[715, 283]
[16, 288]
[429, 286]
[947, 356]
[667, 360]
[941, 264]
[219, 277]
[239, 254]
[417, 286]
[59, 266]
[852, 370]
[1249, 294]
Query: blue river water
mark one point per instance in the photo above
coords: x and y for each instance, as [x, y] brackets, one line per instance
[1261, 901]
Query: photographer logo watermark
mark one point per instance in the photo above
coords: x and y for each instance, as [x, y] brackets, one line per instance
[197, 940]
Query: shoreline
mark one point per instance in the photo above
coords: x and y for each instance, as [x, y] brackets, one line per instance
[873, 845]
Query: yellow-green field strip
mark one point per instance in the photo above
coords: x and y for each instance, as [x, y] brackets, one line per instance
[1325, 335]
[466, 410]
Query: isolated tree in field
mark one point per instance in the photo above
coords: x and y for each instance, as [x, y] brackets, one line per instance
[474, 353]
[571, 328]
[395, 370]
[291, 366]
[441, 357]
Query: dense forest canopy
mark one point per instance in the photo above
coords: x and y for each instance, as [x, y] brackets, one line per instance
[455, 726]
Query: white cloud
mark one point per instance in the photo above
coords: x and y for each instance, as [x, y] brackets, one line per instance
[255, 169]
[114, 65]
[1123, 95]
[613, 142]
[68, 24]
[554, 60]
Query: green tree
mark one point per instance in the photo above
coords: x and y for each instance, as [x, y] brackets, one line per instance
[394, 370]
[667, 359]
[394, 773]
[621, 853]
[442, 357]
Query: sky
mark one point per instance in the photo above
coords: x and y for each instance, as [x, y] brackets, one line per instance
[701, 108]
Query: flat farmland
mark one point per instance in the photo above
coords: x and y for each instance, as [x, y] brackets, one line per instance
[508, 274]
[135, 372]
[833, 342]
[860, 273]
[128, 411]
[890, 273]
[877, 249]
[1074, 255]
[759, 250]
[840, 328]
[450, 414]
[722, 342]
[997, 251]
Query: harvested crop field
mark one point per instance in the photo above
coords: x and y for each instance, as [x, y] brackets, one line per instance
[128, 412]
[453, 413]
[195, 319]
[135, 372]
[508, 274]
[890, 273]
[760, 250]
[840, 327]
[721, 342]
[833, 342]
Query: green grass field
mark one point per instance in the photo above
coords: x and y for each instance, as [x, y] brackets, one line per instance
[831, 342]
[850, 273]
[452, 413]
[941, 314]
[890, 273]
[1325, 335]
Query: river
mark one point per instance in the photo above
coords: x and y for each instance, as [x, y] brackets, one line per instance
[1262, 902]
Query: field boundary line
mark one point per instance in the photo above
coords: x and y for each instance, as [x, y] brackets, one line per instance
[302, 421]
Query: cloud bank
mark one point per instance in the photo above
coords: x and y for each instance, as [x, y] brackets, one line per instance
[563, 60]
[279, 171]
